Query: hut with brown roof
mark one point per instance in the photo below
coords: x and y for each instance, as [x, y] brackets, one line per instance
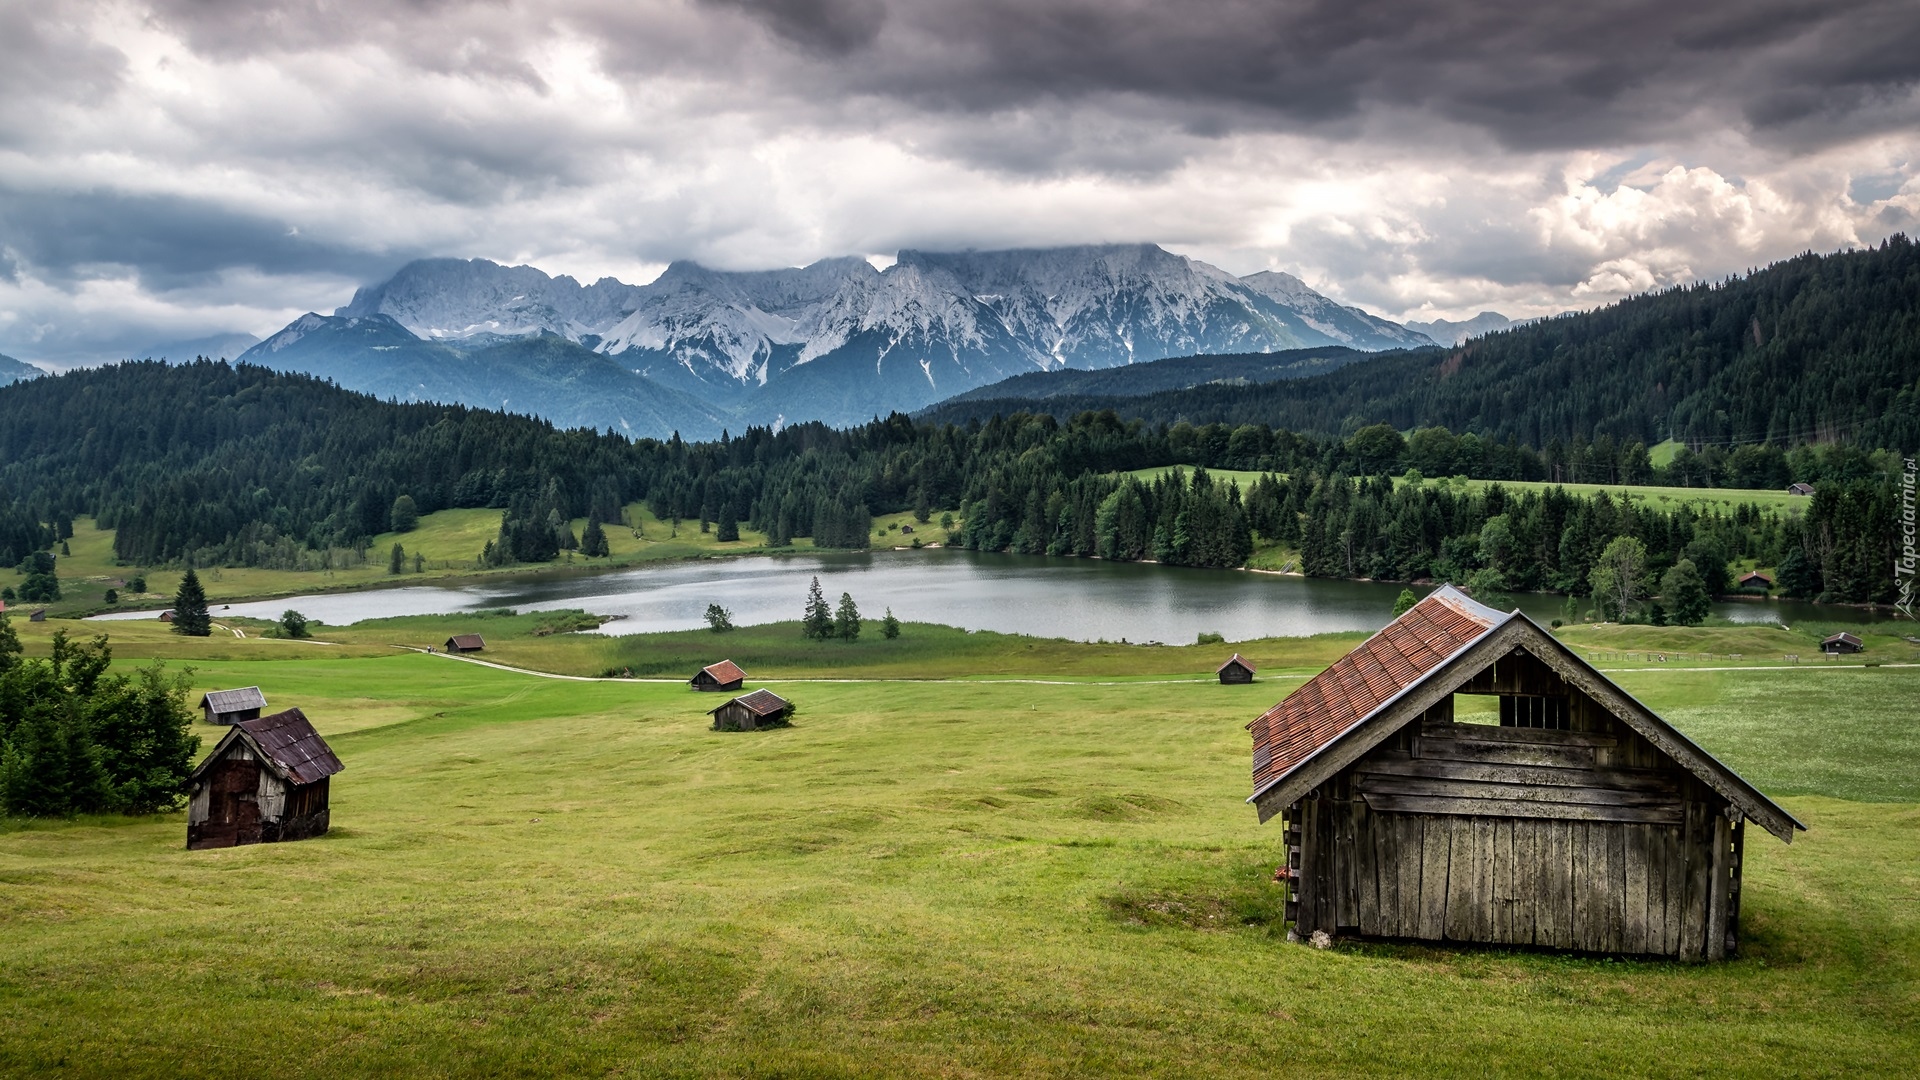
[725, 675]
[233, 706]
[1842, 643]
[37, 615]
[1754, 581]
[1238, 669]
[266, 781]
[465, 643]
[1580, 821]
[751, 712]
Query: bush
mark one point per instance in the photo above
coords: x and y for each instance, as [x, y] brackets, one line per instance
[1210, 638]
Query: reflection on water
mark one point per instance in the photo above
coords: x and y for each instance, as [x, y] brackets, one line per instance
[1083, 599]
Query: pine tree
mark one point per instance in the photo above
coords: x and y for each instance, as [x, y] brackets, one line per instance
[728, 529]
[818, 622]
[889, 626]
[593, 542]
[846, 619]
[190, 615]
[397, 560]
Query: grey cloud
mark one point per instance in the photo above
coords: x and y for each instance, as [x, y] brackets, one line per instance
[170, 242]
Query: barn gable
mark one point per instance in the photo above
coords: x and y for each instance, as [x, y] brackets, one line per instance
[1446, 644]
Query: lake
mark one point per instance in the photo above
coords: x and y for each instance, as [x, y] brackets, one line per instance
[1082, 599]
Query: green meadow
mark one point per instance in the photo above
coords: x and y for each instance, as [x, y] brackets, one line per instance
[971, 855]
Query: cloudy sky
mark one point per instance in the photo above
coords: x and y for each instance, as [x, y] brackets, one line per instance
[180, 168]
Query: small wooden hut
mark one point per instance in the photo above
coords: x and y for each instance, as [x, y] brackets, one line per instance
[166, 616]
[750, 712]
[725, 675]
[1842, 643]
[1754, 581]
[266, 781]
[1799, 489]
[1580, 821]
[37, 615]
[1237, 670]
[465, 643]
[233, 706]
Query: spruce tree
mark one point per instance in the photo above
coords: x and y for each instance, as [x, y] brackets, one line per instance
[846, 619]
[190, 615]
[593, 542]
[397, 560]
[889, 626]
[818, 622]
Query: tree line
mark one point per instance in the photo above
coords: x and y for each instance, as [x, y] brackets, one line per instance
[214, 461]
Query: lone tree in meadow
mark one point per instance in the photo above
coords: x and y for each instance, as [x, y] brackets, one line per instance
[1619, 577]
[719, 619]
[190, 608]
[404, 516]
[593, 542]
[846, 619]
[818, 621]
[397, 560]
[293, 624]
[1685, 592]
[889, 626]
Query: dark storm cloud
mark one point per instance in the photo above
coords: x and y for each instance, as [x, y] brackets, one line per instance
[170, 242]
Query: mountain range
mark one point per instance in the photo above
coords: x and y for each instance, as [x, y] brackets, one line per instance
[839, 340]
[1449, 333]
[12, 371]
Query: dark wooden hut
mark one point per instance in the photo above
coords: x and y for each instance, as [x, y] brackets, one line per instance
[166, 616]
[37, 615]
[1842, 643]
[1238, 669]
[725, 675]
[750, 712]
[266, 781]
[1799, 489]
[233, 706]
[465, 643]
[1580, 821]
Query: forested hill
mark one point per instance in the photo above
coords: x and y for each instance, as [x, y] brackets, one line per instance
[1811, 349]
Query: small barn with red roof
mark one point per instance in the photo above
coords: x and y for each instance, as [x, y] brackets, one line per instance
[725, 675]
[1580, 820]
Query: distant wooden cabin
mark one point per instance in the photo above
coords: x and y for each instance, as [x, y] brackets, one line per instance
[1754, 582]
[1842, 643]
[906, 530]
[1799, 489]
[1237, 669]
[166, 616]
[760, 709]
[465, 643]
[233, 706]
[725, 675]
[37, 615]
[265, 782]
[1579, 821]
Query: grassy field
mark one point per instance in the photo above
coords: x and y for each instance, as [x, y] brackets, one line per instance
[530, 876]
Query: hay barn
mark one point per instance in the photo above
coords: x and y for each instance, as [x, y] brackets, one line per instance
[266, 781]
[725, 675]
[1579, 821]
[232, 706]
[760, 709]
[1842, 643]
[1238, 669]
[465, 643]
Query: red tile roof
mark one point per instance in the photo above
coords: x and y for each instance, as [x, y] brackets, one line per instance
[725, 671]
[1357, 684]
[1236, 658]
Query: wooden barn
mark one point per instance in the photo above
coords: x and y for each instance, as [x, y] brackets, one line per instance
[166, 616]
[1754, 581]
[1238, 669]
[266, 781]
[233, 706]
[465, 643]
[1799, 489]
[750, 712]
[37, 615]
[1842, 643]
[725, 675]
[1580, 820]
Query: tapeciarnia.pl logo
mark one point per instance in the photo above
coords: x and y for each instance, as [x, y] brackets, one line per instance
[1904, 563]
